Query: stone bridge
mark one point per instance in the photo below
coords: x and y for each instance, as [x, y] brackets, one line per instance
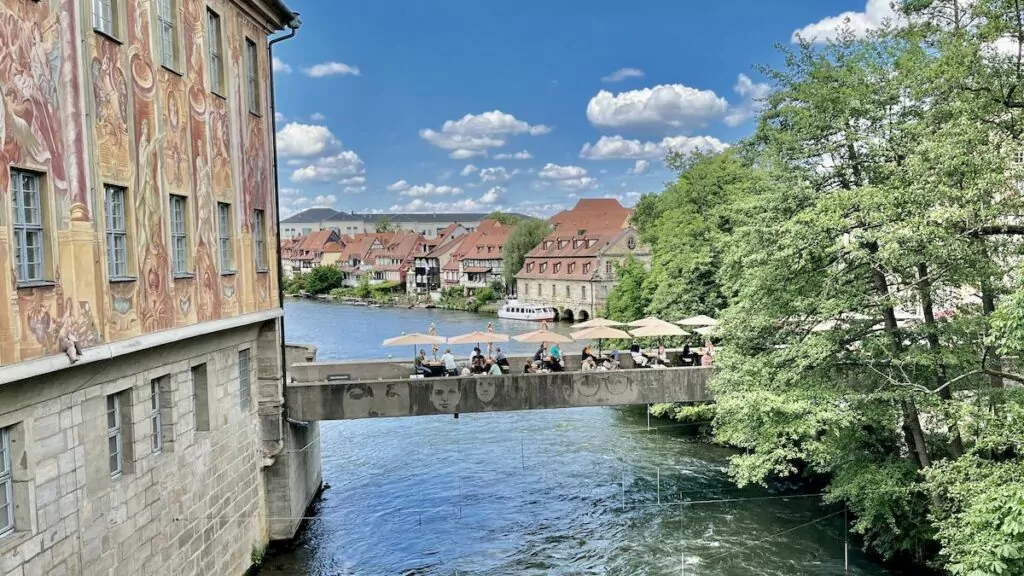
[371, 389]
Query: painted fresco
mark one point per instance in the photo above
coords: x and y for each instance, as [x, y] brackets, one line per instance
[152, 131]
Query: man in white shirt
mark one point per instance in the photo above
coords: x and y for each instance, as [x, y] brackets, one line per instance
[450, 367]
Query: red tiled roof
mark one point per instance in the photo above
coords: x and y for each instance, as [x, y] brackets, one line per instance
[592, 213]
[566, 245]
[447, 246]
[490, 233]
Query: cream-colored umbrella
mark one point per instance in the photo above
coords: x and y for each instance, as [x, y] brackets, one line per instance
[478, 337]
[414, 339]
[647, 322]
[599, 333]
[658, 330]
[542, 335]
[699, 320]
[596, 323]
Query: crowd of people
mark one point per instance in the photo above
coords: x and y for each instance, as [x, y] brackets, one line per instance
[550, 359]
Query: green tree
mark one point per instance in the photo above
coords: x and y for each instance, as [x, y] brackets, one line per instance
[524, 237]
[323, 279]
[363, 288]
[384, 225]
[628, 300]
[504, 219]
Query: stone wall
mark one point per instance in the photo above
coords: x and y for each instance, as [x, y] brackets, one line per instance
[575, 301]
[195, 506]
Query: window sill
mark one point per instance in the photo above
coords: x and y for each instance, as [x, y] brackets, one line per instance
[172, 70]
[262, 270]
[229, 272]
[122, 279]
[183, 276]
[255, 113]
[218, 95]
[11, 540]
[108, 36]
[36, 284]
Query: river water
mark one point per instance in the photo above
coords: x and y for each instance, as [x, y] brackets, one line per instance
[576, 491]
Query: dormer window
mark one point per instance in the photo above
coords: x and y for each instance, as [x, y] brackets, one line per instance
[529, 267]
[586, 268]
[547, 244]
[572, 267]
[591, 242]
[576, 244]
[557, 267]
[562, 243]
[543, 267]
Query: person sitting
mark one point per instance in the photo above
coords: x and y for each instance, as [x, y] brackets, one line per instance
[637, 354]
[528, 368]
[553, 361]
[588, 353]
[495, 369]
[705, 359]
[588, 363]
[421, 367]
[477, 362]
[450, 367]
[500, 359]
[662, 354]
[466, 371]
[541, 352]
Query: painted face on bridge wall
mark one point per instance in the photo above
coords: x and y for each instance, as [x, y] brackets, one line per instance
[485, 390]
[392, 402]
[358, 401]
[445, 395]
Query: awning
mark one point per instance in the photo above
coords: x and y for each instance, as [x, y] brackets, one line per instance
[476, 270]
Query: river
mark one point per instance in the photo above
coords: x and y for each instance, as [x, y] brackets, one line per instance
[576, 491]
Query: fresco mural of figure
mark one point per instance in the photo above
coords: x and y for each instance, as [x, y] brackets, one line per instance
[357, 402]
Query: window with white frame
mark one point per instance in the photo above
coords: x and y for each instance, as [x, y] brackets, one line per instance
[29, 240]
[115, 438]
[608, 270]
[166, 24]
[154, 415]
[224, 236]
[179, 235]
[259, 232]
[243, 379]
[214, 44]
[6, 483]
[104, 16]
[252, 81]
[117, 233]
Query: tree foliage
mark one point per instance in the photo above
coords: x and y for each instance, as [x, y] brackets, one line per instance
[384, 225]
[323, 279]
[628, 300]
[857, 249]
[504, 218]
[524, 237]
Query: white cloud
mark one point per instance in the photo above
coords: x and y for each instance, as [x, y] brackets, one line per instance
[341, 165]
[399, 186]
[583, 183]
[753, 94]
[429, 190]
[354, 189]
[623, 73]
[324, 201]
[317, 117]
[875, 14]
[331, 69]
[539, 209]
[492, 195]
[556, 172]
[478, 132]
[279, 65]
[354, 181]
[304, 140]
[463, 205]
[462, 154]
[640, 167]
[289, 192]
[667, 105]
[524, 155]
[496, 174]
[617, 147]
[295, 162]
[469, 169]
[278, 117]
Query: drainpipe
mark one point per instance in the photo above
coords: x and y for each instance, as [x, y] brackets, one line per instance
[293, 27]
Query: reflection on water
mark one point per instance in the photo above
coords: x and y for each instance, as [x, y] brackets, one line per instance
[577, 491]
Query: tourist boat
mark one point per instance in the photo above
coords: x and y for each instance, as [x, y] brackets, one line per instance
[514, 310]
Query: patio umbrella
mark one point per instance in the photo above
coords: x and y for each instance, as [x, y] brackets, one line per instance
[658, 330]
[477, 337]
[699, 320]
[647, 321]
[600, 333]
[414, 339]
[542, 335]
[596, 323]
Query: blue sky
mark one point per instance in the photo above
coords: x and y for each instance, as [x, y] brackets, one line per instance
[470, 105]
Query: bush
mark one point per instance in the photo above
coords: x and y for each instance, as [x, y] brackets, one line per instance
[323, 279]
[363, 287]
[485, 295]
[295, 285]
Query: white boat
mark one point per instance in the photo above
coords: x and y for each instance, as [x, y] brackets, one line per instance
[514, 310]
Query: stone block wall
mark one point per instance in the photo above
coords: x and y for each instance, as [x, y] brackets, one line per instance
[193, 505]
